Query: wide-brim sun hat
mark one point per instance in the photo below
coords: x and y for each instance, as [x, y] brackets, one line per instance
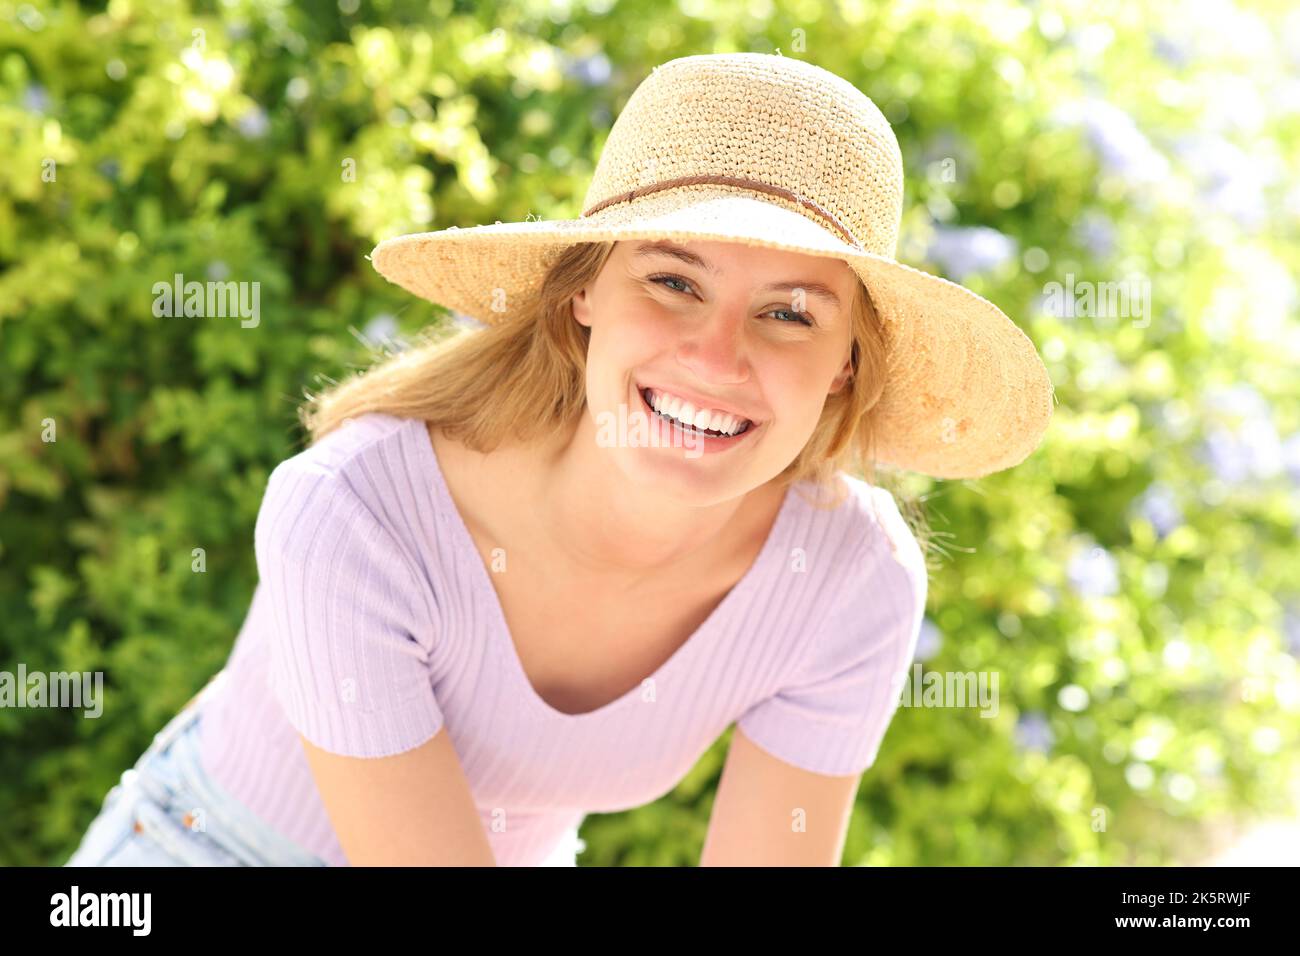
[771, 151]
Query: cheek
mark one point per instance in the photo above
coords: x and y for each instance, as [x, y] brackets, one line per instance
[623, 343]
[637, 333]
[795, 393]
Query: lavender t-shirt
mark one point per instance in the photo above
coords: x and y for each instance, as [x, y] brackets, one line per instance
[375, 624]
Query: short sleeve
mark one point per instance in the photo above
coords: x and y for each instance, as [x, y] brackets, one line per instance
[832, 716]
[349, 647]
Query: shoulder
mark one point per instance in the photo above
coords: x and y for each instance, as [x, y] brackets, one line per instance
[889, 546]
[374, 457]
[878, 604]
[871, 539]
[350, 485]
[346, 449]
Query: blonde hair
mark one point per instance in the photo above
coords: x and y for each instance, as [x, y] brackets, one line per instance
[525, 377]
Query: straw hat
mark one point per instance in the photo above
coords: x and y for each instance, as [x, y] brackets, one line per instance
[775, 152]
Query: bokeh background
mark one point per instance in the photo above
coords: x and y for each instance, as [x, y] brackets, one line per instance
[1135, 583]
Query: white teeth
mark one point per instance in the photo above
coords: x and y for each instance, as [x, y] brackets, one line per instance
[702, 418]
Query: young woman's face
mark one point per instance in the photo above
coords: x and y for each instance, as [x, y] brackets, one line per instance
[762, 333]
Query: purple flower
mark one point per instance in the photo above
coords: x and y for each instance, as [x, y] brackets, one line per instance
[1096, 233]
[36, 99]
[1291, 457]
[1122, 147]
[928, 641]
[1230, 181]
[591, 70]
[962, 250]
[1159, 506]
[1034, 733]
[1174, 52]
[1252, 451]
[1240, 401]
[1291, 628]
[1225, 456]
[1093, 572]
[1263, 447]
[253, 124]
[1243, 443]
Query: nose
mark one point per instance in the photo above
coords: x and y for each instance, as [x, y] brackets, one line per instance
[714, 348]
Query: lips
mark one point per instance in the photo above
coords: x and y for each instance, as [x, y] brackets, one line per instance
[644, 392]
[699, 401]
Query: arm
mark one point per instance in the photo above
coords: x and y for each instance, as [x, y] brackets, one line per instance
[770, 813]
[797, 757]
[353, 628]
[410, 809]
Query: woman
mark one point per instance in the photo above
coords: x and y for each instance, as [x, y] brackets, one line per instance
[535, 571]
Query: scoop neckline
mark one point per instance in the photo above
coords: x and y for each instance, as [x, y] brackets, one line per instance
[467, 554]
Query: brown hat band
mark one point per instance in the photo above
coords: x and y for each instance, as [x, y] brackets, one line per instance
[729, 181]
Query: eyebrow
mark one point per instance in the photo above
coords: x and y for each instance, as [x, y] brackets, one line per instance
[665, 248]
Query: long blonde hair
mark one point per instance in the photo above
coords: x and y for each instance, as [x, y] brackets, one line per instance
[525, 377]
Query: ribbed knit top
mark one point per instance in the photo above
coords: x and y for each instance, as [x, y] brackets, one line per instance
[375, 624]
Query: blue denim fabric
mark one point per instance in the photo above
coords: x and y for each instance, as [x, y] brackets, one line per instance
[184, 818]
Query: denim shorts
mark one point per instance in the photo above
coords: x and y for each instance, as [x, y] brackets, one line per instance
[166, 811]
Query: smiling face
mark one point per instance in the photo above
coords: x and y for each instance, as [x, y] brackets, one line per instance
[761, 333]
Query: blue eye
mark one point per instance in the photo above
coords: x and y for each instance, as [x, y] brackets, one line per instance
[662, 280]
[800, 318]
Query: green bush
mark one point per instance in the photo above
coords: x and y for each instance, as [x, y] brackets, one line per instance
[1134, 584]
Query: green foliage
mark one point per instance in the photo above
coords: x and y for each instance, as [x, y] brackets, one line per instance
[1132, 584]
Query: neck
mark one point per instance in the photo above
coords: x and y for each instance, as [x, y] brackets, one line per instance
[601, 524]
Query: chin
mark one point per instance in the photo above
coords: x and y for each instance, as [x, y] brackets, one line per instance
[667, 473]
